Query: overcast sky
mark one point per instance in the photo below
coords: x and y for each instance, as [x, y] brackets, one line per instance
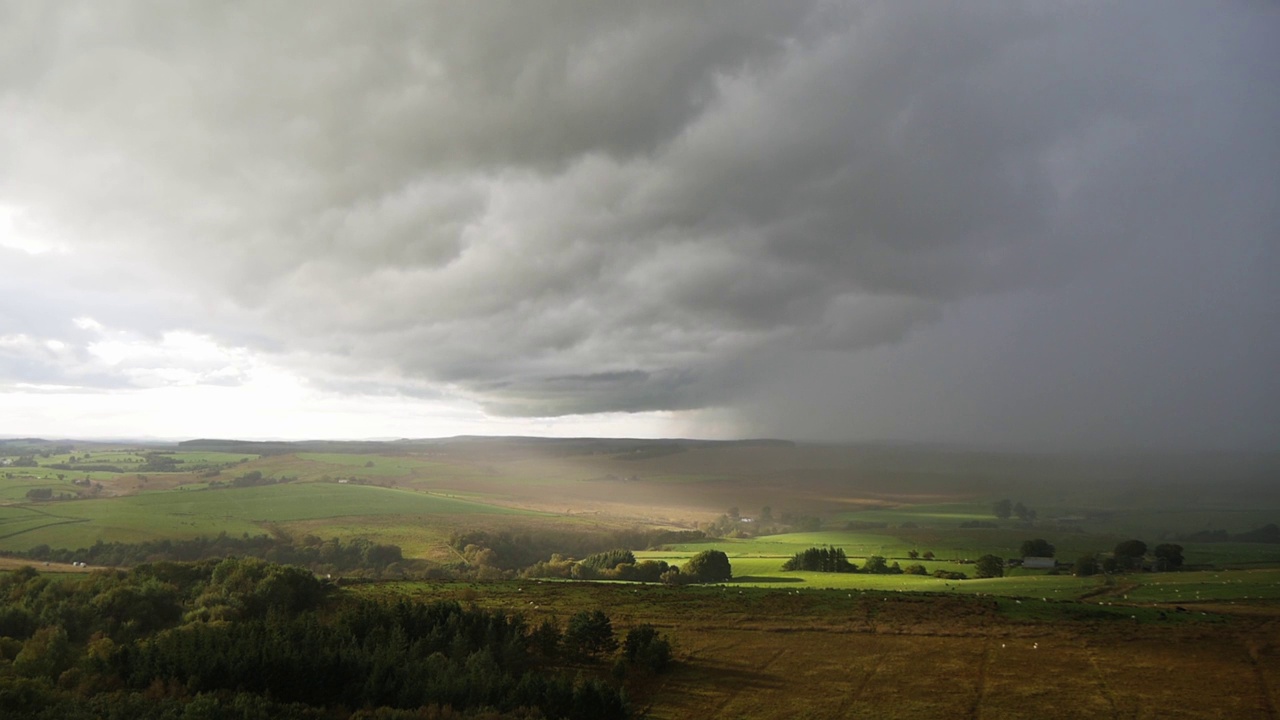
[1041, 225]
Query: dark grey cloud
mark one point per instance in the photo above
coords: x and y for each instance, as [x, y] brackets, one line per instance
[1035, 224]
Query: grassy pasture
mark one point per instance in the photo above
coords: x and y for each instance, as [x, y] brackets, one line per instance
[947, 545]
[132, 457]
[211, 458]
[96, 456]
[373, 465]
[758, 562]
[43, 477]
[18, 520]
[15, 489]
[1157, 523]
[1232, 554]
[767, 572]
[958, 544]
[928, 515]
[181, 513]
[1208, 586]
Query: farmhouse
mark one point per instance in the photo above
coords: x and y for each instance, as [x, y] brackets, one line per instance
[1039, 563]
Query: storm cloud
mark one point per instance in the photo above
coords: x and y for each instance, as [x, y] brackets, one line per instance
[1039, 224]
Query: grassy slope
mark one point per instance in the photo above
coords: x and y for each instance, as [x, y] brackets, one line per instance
[183, 513]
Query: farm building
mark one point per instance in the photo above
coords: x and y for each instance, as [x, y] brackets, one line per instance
[1039, 563]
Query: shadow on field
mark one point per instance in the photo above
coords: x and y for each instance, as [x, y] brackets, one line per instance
[733, 675]
[765, 579]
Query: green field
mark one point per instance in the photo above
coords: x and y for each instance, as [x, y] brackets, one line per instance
[1208, 586]
[946, 545]
[16, 489]
[212, 458]
[190, 513]
[1187, 587]
[15, 521]
[758, 562]
[374, 466]
[943, 514]
[125, 458]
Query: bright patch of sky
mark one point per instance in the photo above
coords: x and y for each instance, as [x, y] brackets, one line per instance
[19, 232]
[186, 385]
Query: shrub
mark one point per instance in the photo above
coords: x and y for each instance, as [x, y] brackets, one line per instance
[989, 566]
[708, 566]
[1085, 566]
[545, 638]
[646, 649]
[589, 634]
[609, 560]
[1036, 548]
[1168, 556]
[828, 559]
[875, 565]
[1129, 554]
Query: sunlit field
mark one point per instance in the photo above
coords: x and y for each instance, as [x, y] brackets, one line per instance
[181, 513]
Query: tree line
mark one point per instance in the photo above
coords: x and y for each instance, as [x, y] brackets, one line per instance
[825, 559]
[243, 638]
[834, 560]
[1006, 508]
[494, 555]
[708, 566]
[1128, 555]
[332, 555]
[1268, 533]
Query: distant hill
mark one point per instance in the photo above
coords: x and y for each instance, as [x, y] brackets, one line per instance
[636, 448]
[283, 447]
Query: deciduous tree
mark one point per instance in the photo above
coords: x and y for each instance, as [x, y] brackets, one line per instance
[1129, 553]
[590, 633]
[1168, 556]
[1085, 566]
[989, 566]
[1037, 548]
[646, 648]
[708, 566]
